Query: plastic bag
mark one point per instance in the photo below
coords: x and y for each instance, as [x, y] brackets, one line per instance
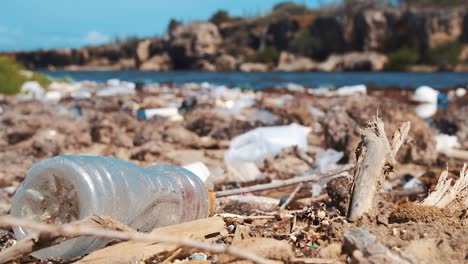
[248, 150]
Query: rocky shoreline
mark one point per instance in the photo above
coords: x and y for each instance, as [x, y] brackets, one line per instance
[285, 40]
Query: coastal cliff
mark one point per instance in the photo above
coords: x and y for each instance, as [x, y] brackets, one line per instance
[289, 38]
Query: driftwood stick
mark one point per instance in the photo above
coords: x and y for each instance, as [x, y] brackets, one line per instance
[370, 248]
[291, 196]
[281, 184]
[376, 157]
[37, 241]
[74, 230]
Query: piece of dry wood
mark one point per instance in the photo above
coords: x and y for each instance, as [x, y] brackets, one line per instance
[302, 155]
[455, 153]
[373, 251]
[285, 183]
[376, 157]
[315, 261]
[446, 194]
[37, 241]
[291, 196]
[142, 245]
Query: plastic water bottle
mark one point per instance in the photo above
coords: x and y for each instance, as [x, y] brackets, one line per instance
[63, 189]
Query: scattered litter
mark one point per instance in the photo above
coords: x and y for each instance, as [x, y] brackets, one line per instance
[61, 189]
[352, 90]
[247, 151]
[425, 94]
[199, 169]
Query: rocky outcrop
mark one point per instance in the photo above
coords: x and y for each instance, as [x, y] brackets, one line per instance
[157, 63]
[225, 62]
[289, 62]
[281, 33]
[354, 61]
[374, 30]
[192, 42]
[328, 32]
[253, 67]
[340, 40]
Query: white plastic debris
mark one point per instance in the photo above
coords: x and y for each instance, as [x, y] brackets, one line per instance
[199, 169]
[425, 94]
[53, 97]
[80, 95]
[413, 183]
[167, 112]
[248, 150]
[31, 90]
[460, 92]
[352, 90]
[426, 110]
[326, 160]
[444, 141]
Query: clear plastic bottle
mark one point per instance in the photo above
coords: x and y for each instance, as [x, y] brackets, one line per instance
[67, 188]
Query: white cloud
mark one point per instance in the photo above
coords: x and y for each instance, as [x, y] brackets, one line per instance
[95, 37]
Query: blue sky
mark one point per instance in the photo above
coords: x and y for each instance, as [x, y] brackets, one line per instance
[42, 24]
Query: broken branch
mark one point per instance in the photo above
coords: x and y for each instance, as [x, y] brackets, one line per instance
[281, 184]
[74, 230]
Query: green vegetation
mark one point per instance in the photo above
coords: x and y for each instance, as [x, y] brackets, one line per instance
[13, 75]
[290, 9]
[304, 44]
[444, 55]
[400, 59]
[266, 55]
[173, 24]
[220, 17]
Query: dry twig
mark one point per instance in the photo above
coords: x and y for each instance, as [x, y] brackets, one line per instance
[281, 184]
[291, 196]
[74, 230]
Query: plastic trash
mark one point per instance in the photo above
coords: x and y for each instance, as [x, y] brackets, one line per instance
[426, 110]
[53, 97]
[352, 90]
[80, 95]
[167, 112]
[425, 94]
[31, 90]
[444, 141]
[199, 169]
[326, 160]
[248, 150]
[187, 105]
[413, 183]
[63, 189]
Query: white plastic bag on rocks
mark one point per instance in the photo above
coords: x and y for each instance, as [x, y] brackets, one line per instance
[425, 94]
[325, 161]
[248, 151]
[31, 90]
[359, 89]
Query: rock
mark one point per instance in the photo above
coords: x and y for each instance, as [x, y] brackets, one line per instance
[193, 41]
[225, 62]
[364, 61]
[281, 33]
[354, 61]
[428, 28]
[329, 32]
[142, 51]
[253, 67]
[48, 142]
[204, 65]
[290, 62]
[160, 62]
[374, 30]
